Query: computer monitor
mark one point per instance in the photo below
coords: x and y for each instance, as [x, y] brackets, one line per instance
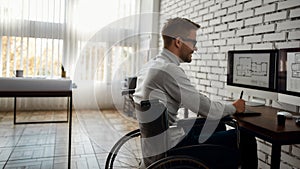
[289, 76]
[254, 72]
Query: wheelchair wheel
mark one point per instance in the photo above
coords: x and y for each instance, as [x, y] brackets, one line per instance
[178, 162]
[126, 153]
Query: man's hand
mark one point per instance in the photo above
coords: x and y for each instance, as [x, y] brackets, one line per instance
[239, 105]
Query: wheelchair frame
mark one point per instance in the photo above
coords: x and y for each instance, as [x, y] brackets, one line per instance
[168, 162]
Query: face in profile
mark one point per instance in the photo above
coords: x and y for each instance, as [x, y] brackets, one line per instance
[188, 47]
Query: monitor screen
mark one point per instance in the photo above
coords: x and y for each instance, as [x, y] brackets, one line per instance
[254, 69]
[289, 71]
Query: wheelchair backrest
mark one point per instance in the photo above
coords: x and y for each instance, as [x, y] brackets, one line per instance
[153, 122]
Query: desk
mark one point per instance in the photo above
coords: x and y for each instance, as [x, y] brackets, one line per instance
[265, 127]
[31, 87]
[35, 87]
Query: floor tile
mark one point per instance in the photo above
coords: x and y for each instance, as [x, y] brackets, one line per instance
[45, 146]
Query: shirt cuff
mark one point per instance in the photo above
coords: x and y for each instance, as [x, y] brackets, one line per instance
[229, 109]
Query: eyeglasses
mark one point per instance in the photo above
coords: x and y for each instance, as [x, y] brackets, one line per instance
[193, 41]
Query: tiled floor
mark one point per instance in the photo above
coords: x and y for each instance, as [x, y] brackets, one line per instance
[45, 146]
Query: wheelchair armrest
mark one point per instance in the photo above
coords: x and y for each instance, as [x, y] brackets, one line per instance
[127, 91]
[201, 120]
[191, 121]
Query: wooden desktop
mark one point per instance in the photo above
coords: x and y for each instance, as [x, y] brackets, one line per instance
[265, 127]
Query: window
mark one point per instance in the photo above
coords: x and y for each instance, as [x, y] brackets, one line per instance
[39, 36]
[32, 37]
[36, 56]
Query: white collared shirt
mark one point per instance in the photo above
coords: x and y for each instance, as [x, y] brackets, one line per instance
[162, 78]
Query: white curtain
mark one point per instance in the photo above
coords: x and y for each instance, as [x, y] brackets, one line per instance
[31, 34]
[96, 42]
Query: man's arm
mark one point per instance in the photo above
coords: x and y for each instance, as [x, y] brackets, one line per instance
[181, 89]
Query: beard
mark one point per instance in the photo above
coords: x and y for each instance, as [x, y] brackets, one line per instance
[186, 56]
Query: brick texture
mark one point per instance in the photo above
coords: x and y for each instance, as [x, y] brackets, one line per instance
[237, 25]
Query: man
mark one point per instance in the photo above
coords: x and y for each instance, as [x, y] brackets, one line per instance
[162, 78]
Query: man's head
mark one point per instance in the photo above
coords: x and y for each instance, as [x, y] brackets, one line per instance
[179, 35]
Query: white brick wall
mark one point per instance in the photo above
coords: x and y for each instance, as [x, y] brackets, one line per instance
[252, 4]
[265, 9]
[237, 25]
[264, 28]
[245, 14]
[276, 16]
[295, 13]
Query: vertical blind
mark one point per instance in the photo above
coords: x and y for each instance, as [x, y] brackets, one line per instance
[39, 36]
[31, 34]
[90, 38]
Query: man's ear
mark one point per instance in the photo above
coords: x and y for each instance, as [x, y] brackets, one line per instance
[178, 42]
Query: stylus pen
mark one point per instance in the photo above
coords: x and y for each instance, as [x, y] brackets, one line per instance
[241, 96]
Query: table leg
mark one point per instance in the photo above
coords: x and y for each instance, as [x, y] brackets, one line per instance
[15, 109]
[275, 156]
[68, 108]
[70, 134]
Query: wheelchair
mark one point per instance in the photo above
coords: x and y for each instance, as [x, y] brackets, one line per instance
[130, 151]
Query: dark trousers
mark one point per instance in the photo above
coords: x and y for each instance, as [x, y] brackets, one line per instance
[229, 155]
